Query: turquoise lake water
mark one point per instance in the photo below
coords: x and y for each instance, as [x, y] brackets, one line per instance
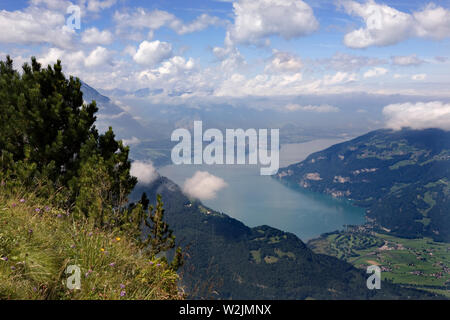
[262, 200]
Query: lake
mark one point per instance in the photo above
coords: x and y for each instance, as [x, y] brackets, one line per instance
[262, 200]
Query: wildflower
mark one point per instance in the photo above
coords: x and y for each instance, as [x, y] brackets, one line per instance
[90, 234]
[122, 293]
[158, 265]
[14, 205]
[102, 250]
[150, 262]
[88, 273]
[13, 268]
[4, 258]
[22, 200]
[72, 246]
[30, 231]
[37, 210]
[122, 286]
[47, 208]
[112, 264]
[34, 289]
[117, 239]
[59, 215]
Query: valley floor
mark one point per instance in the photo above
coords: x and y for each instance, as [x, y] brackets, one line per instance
[419, 263]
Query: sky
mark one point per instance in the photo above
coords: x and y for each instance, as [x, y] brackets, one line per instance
[245, 48]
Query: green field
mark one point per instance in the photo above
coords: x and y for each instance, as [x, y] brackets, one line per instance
[421, 263]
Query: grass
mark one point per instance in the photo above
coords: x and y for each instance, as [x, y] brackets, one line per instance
[38, 242]
[421, 263]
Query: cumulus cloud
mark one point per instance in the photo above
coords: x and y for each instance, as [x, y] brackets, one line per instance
[284, 62]
[170, 69]
[145, 172]
[98, 56]
[375, 72]
[94, 36]
[384, 25]
[325, 108]
[203, 185]
[35, 25]
[152, 53]
[419, 115]
[411, 60]
[259, 19]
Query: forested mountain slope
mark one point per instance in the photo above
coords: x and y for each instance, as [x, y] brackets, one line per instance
[226, 259]
[401, 177]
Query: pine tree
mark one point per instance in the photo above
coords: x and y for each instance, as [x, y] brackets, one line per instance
[47, 135]
[160, 238]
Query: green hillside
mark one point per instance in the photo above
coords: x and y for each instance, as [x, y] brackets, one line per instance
[64, 199]
[39, 241]
[401, 177]
[228, 260]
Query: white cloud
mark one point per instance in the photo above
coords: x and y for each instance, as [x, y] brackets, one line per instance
[410, 60]
[97, 5]
[155, 19]
[145, 172]
[75, 60]
[35, 26]
[172, 69]
[152, 53]
[419, 77]
[59, 5]
[200, 23]
[94, 36]
[259, 19]
[284, 62]
[132, 141]
[375, 72]
[325, 108]
[203, 185]
[384, 25]
[339, 78]
[419, 115]
[98, 56]
[69, 58]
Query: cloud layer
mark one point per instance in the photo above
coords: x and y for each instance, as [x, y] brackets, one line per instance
[419, 115]
[203, 185]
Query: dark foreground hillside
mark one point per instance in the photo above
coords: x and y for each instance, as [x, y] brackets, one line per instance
[401, 177]
[226, 259]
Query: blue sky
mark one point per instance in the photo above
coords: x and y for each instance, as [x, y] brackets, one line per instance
[242, 48]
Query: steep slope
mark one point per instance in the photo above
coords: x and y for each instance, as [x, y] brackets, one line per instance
[109, 114]
[401, 177]
[226, 259]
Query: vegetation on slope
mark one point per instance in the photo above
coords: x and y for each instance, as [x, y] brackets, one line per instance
[226, 259]
[64, 198]
[421, 263]
[38, 242]
[401, 177]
